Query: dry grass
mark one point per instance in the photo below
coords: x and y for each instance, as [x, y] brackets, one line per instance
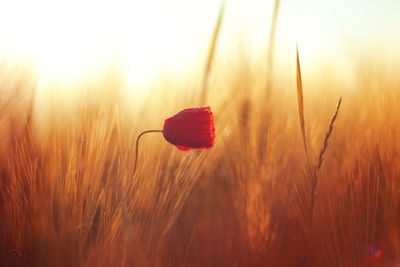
[271, 47]
[63, 168]
[312, 170]
[211, 52]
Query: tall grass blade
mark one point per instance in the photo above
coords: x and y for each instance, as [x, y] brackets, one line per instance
[301, 105]
[271, 46]
[211, 53]
[264, 127]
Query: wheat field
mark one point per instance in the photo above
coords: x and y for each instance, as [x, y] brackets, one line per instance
[69, 195]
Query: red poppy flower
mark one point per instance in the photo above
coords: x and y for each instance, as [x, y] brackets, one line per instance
[190, 128]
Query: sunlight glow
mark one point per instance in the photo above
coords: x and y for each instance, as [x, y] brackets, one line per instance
[68, 39]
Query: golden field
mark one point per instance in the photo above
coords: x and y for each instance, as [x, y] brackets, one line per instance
[69, 197]
[67, 156]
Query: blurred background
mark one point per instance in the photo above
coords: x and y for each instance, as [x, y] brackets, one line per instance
[80, 80]
[65, 40]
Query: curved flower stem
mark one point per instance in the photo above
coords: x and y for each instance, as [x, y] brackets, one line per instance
[137, 249]
[137, 147]
[123, 206]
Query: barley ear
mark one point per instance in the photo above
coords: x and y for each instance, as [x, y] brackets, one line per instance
[328, 134]
[314, 181]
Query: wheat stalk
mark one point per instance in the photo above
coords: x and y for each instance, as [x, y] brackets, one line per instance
[211, 53]
[313, 170]
[321, 157]
[271, 46]
[263, 128]
[328, 134]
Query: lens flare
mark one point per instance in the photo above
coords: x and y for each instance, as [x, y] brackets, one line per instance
[374, 252]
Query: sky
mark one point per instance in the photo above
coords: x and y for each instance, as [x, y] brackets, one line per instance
[66, 39]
